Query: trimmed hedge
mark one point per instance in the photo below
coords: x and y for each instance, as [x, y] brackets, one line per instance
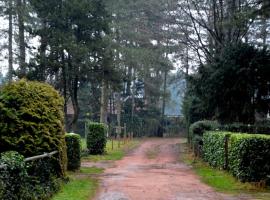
[96, 138]
[196, 132]
[249, 157]
[214, 148]
[32, 121]
[73, 142]
[198, 128]
[30, 181]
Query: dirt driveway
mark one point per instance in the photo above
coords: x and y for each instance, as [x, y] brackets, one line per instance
[153, 172]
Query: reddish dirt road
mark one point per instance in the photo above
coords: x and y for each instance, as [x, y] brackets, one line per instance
[153, 172]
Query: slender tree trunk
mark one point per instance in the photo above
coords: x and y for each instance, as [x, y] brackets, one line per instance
[118, 107]
[10, 40]
[74, 99]
[22, 55]
[43, 46]
[164, 103]
[104, 103]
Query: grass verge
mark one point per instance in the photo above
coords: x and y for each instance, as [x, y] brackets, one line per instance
[113, 151]
[81, 185]
[222, 181]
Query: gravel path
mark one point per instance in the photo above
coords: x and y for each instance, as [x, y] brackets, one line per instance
[153, 172]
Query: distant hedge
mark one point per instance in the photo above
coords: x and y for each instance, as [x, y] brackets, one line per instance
[196, 132]
[200, 127]
[96, 138]
[249, 157]
[214, 148]
[258, 128]
[32, 121]
[73, 142]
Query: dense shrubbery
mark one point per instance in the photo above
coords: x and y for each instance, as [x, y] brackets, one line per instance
[96, 138]
[12, 176]
[249, 157]
[214, 148]
[196, 132]
[73, 142]
[31, 181]
[258, 128]
[31, 121]
[198, 128]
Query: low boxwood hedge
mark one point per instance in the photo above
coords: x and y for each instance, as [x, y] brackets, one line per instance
[196, 132]
[73, 142]
[200, 127]
[214, 148]
[249, 157]
[96, 138]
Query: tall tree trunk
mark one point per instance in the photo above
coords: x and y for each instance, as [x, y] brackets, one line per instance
[104, 103]
[10, 40]
[118, 108]
[75, 103]
[22, 55]
[43, 46]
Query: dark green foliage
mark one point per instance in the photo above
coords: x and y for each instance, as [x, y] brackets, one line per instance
[200, 127]
[73, 142]
[214, 148]
[31, 181]
[249, 157]
[12, 176]
[233, 87]
[96, 138]
[31, 121]
[196, 132]
[258, 128]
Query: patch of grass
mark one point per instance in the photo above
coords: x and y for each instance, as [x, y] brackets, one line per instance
[78, 188]
[115, 153]
[81, 185]
[91, 170]
[222, 181]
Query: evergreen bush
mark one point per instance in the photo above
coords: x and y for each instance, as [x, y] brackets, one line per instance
[32, 121]
[214, 148]
[249, 157]
[13, 176]
[96, 138]
[73, 142]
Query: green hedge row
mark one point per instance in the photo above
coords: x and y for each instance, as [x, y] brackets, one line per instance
[27, 181]
[248, 155]
[73, 142]
[214, 148]
[196, 132]
[96, 138]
